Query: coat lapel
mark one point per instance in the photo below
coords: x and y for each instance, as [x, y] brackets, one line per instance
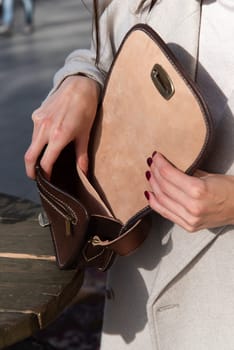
[183, 247]
[178, 23]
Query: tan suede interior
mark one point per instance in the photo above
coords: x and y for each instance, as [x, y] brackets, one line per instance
[137, 120]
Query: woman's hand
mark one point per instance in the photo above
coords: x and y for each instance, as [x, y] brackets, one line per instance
[193, 202]
[66, 115]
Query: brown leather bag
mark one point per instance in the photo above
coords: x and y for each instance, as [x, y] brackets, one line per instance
[149, 105]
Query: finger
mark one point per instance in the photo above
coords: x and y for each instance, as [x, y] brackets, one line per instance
[200, 173]
[37, 117]
[39, 137]
[160, 184]
[170, 198]
[59, 136]
[82, 154]
[29, 161]
[34, 150]
[166, 213]
[51, 154]
[185, 183]
[186, 205]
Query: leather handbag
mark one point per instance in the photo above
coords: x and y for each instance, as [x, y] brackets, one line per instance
[149, 104]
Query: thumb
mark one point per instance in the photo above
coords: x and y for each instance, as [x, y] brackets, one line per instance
[82, 160]
[200, 173]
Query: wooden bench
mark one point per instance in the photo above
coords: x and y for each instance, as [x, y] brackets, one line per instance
[33, 291]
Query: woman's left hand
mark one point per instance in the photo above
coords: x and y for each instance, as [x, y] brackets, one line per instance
[194, 202]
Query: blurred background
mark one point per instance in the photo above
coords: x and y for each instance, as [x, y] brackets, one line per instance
[29, 57]
[27, 65]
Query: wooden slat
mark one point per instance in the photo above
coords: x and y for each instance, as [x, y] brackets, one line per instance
[25, 237]
[33, 290]
[15, 327]
[33, 271]
[38, 287]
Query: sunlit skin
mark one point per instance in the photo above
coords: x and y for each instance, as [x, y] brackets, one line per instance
[66, 115]
[195, 202]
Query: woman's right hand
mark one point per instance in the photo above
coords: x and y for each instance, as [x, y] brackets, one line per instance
[66, 115]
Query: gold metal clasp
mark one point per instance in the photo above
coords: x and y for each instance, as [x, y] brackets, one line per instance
[68, 226]
[162, 81]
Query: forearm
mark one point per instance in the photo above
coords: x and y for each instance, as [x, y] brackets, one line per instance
[228, 204]
[87, 87]
[79, 62]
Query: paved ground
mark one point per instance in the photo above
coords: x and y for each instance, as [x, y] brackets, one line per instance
[27, 65]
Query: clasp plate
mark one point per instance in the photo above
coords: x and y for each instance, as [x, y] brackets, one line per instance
[162, 81]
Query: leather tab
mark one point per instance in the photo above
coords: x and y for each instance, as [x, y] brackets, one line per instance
[127, 242]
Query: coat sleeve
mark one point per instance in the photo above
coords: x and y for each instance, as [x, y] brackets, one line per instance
[83, 60]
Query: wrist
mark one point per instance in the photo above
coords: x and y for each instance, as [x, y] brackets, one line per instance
[84, 82]
[230, 179]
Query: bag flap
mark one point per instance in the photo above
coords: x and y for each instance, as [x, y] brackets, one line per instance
[149, 105]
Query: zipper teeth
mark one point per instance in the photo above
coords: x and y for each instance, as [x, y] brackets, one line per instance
[72, 217]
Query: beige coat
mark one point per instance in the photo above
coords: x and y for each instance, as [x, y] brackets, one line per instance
[177, 291]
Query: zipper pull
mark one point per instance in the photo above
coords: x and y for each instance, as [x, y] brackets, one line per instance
[43, 219]
[68, 226]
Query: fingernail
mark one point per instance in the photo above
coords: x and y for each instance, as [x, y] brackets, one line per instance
[154, 154]
[148, 175]
[149, 161]
[147, 196]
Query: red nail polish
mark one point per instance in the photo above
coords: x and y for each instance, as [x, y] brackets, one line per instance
[147, 196]
[154, 154]
[148, 175]
[149, 161]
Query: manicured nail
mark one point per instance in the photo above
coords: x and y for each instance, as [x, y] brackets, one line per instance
[147, 196]
[149, 161]
[154, 154]
[148, 175]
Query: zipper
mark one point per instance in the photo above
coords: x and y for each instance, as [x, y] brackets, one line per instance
[59, 206]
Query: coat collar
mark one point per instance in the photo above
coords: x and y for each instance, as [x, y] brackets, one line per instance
[178, 23]
[141, 5]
